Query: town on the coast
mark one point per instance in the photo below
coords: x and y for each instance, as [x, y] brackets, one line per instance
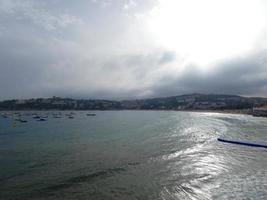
[191, 102]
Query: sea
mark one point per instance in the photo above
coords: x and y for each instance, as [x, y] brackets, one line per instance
[131, 155]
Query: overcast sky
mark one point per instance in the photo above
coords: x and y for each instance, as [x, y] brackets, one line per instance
[124, 49]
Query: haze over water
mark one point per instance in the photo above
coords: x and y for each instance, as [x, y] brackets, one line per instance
[133, 155]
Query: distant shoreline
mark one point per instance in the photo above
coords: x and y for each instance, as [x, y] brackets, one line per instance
[244, 112]
[191, 102]
[239, 111]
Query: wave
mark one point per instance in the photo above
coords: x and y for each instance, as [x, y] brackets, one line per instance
[89, 178]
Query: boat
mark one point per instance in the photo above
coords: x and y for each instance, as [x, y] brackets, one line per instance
[243, 142]
[23, 120]
[91, 114]
[41, 120]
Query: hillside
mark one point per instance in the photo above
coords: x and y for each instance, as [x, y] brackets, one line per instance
[182, 102]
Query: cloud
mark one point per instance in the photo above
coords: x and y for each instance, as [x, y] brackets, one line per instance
[245, 75]
[104, 3]
[129, 4]
[38, 15]
[85, 50]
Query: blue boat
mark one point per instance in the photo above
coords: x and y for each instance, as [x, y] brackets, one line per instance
[243, 142]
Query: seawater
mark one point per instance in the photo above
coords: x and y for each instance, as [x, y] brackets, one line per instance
[129, 155]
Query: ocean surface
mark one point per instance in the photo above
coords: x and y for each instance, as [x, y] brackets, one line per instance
[131, 155]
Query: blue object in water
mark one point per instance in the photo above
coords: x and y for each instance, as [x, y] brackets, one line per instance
[247, 143]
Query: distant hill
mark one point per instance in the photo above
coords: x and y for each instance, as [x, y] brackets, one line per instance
[196, 102]
[182, 102]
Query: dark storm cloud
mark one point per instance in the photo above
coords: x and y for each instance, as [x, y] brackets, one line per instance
[245, 75]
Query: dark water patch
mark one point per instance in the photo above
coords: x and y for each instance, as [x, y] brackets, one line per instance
[8, 152]
[37, 165]
[57, 187]
[39, 191]
[6, 178]
[90, 178]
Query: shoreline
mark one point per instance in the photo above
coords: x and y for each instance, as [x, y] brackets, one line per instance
[232, 112]
[237, 111]
[241, 112]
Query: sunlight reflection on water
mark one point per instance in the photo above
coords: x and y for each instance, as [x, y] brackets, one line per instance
[194, 169]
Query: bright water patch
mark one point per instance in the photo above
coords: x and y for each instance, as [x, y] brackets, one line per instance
[132, 155]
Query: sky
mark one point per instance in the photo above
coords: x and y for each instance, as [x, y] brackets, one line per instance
[128, 49]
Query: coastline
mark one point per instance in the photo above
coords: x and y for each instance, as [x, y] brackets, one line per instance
[232, 111]
[239, 111]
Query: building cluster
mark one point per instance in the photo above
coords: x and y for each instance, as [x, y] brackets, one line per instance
[209, 102]
[59, 103]
[260, 111]
[183, 102]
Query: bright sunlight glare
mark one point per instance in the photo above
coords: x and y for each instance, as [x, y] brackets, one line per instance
[207, 30]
